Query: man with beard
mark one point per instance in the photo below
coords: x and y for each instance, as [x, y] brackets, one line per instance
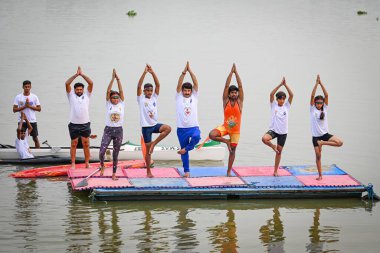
[187, 117]
[233, 98]
[79, 126]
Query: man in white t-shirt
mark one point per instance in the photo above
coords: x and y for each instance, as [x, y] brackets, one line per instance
[79, 126]
[148, 115]
[28, 103]
[279, 121]
[187, 117]
[21, 142]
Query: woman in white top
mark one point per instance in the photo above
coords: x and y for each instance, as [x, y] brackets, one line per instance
[319, 125]
[114, 122]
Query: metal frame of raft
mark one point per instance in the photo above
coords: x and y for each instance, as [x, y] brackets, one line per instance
[294, 182]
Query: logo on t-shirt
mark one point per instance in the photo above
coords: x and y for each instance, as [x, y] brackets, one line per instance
[115, 117]
[231, 122]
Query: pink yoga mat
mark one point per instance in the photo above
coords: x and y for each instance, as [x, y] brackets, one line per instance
[157, 172]
[75, 173]
[259, 171]
[328, 180]
[101, 182]
[214, 181]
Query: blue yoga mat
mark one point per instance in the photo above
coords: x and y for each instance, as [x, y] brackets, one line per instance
[263, 181]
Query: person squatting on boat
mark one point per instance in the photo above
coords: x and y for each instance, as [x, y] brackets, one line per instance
[233, 98]
[147, 101]
[319, 124]
[187, 117]
[113, 130]
[79, 126]
[21, 143]
[279, 121]
[28, 103]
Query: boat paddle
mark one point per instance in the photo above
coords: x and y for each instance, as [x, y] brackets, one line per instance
[84, 182]
[53, 150]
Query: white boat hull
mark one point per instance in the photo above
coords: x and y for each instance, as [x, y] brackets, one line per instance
[127, 152]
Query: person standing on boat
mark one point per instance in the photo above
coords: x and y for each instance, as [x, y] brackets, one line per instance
[233, 98]
[22, 145]
[279, 121]
[79, 126]
[114, 124]
[319, 125]
[147, 101]
[28, 103]
[187, 117]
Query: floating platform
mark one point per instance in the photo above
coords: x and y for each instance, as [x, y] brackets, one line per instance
[212, 183]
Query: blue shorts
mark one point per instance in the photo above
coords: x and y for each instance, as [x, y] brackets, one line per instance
[148, 131]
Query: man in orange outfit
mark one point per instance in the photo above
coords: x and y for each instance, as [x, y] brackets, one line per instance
[233, 98]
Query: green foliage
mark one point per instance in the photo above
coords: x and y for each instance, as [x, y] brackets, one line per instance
[131, 13]
[362, 13]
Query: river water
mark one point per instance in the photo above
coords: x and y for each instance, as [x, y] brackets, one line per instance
[45, 41]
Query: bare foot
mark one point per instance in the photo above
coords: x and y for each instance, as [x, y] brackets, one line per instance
[228, 143]
[274, 147]
[101, 170]
[72, 165]
[182, 151]
[275, 173]
[114, 178]
[187, 174]
[319, 178]
[229, 174]
[151, 149]
[320, 143]
[149, 173]
[87, 165]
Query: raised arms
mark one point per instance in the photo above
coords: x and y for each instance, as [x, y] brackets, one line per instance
[156, 82]
[120, 87]
[325, 93]
[290, 99]
[79, 73]
[141, 80]
[271, 95]
[227, 85]
[181, 77]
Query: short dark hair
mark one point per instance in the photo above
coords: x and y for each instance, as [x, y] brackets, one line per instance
[112, 92]
[148, 85]
[232, 88]
[187, 86]
[280, 94]
[26, 82]
[78, 85]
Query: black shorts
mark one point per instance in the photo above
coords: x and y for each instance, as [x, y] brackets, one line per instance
[324, 137]
[281, 138]
[148, 131]
[34, 132]
[79, 130]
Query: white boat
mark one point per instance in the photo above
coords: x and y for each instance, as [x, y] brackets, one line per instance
[209, 151]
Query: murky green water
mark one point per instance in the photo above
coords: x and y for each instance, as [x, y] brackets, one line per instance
[44, 41]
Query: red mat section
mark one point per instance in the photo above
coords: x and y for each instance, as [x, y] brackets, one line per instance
[75, 173]
[328, 180]
[259, 171]
[214, 181]
[157, 172]
[101, 183]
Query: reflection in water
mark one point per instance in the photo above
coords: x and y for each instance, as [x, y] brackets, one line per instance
[150, 237]
[78, 231]
[272, 234]
[223, 236]
[109, 235]
[26, 221]
[185, 232]
[321, 239]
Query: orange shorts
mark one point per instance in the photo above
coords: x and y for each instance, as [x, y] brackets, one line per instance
[234, 138]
